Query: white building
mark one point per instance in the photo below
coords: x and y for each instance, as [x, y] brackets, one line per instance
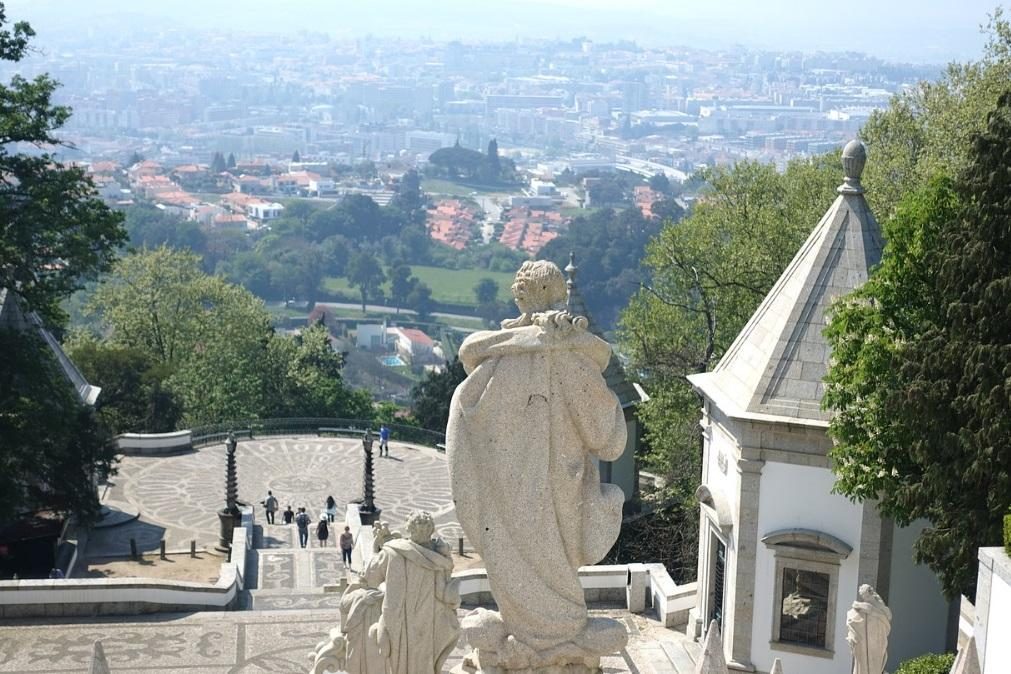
[264, 210]
[781, 556]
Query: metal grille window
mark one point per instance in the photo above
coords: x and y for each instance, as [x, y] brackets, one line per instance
[719, 581]
[804, 609]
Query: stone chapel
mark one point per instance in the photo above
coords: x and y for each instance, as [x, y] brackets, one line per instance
[780, 555]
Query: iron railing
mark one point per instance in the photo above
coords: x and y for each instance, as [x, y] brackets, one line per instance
[257, 428]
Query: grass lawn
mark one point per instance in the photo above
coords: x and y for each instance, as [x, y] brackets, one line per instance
[448, 187]
[452, 286]
[456, 286]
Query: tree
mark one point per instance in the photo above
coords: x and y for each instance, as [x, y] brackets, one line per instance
[486, 291]
[55, 232]
[53, 446]
[430, 397]
[928, 128]
[135, 158]
[306, 379]
[706, 276]
[296, 157]
[149, 227]
[660, 183]
[211, 335]
[231, 160]
[134, 396]
[218, 164]
[365, 273]
[401, 285]
[420, 299]
[921, 356]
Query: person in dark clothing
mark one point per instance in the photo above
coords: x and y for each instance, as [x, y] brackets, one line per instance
[322, 531]
[302, 522]
[288, 516]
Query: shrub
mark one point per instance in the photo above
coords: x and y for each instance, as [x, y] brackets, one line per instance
[1007, 533]
[932, 663]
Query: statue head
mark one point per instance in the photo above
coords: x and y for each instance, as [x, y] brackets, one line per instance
[539, 286]
[420, 527]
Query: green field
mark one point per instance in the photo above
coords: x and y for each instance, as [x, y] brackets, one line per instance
[451, 286]
[448, 187]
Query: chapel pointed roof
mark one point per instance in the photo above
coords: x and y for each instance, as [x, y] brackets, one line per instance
[614, 374]
[775, 368]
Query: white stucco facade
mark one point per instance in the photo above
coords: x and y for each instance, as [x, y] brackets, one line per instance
[810, 505]
[993, 611]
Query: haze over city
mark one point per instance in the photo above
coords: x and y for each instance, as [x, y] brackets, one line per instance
[936, 31]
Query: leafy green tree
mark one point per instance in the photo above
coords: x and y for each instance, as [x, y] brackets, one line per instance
[53, 446]
[55, 232]
[706, 276]
[210, 334]
[921, 356]
[420, 299]
[306, 381]
[134, 396]
[431, 396]
[928, 128]
[486, 291]
[149, 227]
[335, 252]
[365, 274]
[401, 285]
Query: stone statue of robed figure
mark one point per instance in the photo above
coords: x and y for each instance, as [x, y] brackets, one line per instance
[524, 431]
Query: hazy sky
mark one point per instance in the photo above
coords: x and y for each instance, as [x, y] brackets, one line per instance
[913, 30]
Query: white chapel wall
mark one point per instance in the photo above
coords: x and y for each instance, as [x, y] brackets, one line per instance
[801, 497]
[919, 611]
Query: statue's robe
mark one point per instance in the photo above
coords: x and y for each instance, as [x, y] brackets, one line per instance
[524, 429]
[418, 628]
[360, 607]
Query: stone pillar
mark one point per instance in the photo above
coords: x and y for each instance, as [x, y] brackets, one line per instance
[737, 630]
[368, 510]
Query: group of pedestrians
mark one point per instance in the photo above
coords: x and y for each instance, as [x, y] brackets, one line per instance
[302, 521]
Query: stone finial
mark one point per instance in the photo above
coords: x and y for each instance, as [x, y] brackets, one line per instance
[99, 664]
[570, 281]
[967, 660]
[854, 157]
[712, 660]
[777, 667]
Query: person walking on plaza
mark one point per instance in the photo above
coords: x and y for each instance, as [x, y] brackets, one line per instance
[270, 505]
[288, 516]
[384, 441]
[302, 522]
[322, 530]
[347, 542]
[331, 508]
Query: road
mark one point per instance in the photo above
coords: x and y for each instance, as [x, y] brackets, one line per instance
[378, 308]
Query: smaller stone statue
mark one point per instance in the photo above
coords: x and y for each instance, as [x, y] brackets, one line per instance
[868, 623]
[381, 534]
[400, 617]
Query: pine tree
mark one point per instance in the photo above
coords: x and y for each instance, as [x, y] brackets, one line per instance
[231, 160]
[296, 157]
[218, 163]
[922, 364]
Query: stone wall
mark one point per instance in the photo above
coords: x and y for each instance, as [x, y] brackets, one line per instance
[76, 597]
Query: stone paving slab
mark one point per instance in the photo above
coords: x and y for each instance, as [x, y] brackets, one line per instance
[248, 642]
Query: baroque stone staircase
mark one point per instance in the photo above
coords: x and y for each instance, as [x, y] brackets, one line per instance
[289, 577]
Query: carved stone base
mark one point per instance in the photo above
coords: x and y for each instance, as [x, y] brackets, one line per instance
[471, 665]
[496, 651]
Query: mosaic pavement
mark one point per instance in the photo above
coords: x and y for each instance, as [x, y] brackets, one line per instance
[254, 643]
[178, 496]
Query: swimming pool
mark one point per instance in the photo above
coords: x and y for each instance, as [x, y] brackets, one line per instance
[392, 361]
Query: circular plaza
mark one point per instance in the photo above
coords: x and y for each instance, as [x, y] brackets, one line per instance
[178, 496]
